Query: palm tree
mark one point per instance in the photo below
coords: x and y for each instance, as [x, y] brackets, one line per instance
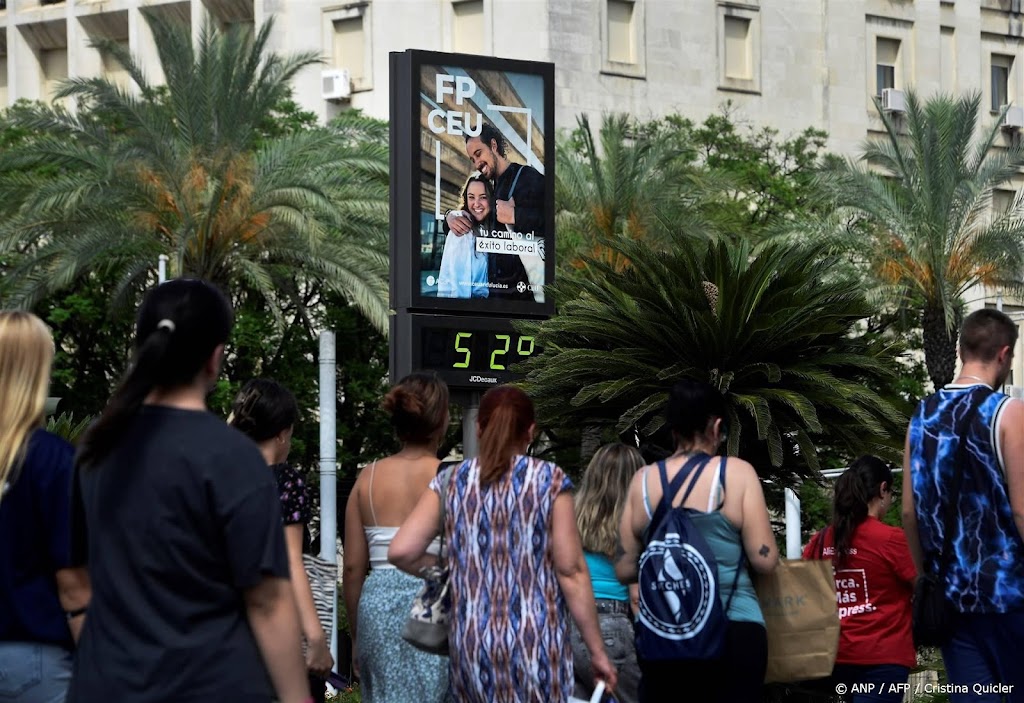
[773, 328]
[630, 180]
[921, 201]
[184, 170]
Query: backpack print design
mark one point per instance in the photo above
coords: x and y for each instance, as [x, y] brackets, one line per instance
[680, 614]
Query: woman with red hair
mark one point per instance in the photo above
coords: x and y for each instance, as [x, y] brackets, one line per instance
[516, 564]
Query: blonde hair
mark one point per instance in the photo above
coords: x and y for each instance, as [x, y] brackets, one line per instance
[602, 496]
[26, 354]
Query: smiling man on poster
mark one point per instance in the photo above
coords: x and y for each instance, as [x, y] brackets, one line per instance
[519, 209]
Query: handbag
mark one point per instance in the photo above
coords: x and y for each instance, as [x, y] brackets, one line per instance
[323, 582]
[932, 613]
[801, 617]
[426, 628]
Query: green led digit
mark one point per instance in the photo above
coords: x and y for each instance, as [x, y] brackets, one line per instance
[519, 347]
[464, 364]
[496, 352]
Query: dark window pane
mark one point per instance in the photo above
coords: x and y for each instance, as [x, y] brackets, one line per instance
[885, 77]
[1000, 79]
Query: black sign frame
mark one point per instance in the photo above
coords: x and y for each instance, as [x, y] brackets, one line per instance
[408, 357]
[405, 138]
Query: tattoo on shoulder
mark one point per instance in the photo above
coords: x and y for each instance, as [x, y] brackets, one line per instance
[765, 550]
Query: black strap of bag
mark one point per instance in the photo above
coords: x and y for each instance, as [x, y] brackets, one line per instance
[693, 468]
[960, 460]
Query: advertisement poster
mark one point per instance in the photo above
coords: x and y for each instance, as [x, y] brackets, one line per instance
[484, 188]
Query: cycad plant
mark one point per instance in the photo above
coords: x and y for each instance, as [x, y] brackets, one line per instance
[772, 328]
[183, 169]
[65, 425]
[922, 208]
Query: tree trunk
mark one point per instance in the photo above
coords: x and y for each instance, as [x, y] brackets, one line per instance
[939, 345]
[590, 442]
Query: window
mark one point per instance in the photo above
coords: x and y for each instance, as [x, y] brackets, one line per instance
[347, 39]
[621, 32]
[622, 38]
[1000, 81]
[3, 70]
[887, 53]
[738, 63]
[3, 81]
[1002, 201]
[468, 27]
[739, 48]
[947, 60]
[54, 65]
[349, 47]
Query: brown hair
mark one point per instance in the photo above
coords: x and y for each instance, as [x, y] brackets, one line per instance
[602, 496]
[505, 416]
[984, 332]
[418, 406]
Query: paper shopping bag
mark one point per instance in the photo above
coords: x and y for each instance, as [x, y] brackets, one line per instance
[798, 601]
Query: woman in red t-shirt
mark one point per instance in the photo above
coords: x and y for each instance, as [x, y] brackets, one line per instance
[874, 583]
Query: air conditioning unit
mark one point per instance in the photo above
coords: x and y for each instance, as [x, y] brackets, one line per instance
[1014, 118]
[894, 100]
[336, 84]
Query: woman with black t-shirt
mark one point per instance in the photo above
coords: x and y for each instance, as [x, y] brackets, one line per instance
[179, 523]
[267, 412]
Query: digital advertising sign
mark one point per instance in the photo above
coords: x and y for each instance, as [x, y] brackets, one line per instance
[480, 185]
[472, 213]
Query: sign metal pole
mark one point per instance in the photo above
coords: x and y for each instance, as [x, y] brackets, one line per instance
[470, 412]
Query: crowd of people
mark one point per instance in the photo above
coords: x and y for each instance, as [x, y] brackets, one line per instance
[162, 559]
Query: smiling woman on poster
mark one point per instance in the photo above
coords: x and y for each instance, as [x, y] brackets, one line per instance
[464, 270]
[519, 211]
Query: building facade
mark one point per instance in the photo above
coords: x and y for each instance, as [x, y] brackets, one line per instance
[789, 64]
[785, 63]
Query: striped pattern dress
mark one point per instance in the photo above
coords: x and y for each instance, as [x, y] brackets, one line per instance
[509, 639]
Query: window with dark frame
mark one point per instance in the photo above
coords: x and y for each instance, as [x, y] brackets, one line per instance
[1000, 78]
[887, 53]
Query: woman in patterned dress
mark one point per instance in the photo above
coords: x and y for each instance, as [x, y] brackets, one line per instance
[378, 596]
[267, 412]
[516, 565]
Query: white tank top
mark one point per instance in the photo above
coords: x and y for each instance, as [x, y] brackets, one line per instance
[378, 537]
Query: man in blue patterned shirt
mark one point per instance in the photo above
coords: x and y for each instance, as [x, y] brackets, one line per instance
[985, 574]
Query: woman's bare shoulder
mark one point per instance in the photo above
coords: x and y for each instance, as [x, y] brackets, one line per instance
[740, 474]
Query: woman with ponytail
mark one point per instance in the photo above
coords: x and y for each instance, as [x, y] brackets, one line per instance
[874, 582]
[266, 412]
[179, 522]
[517, 569]
[378, 596]
[42, 597]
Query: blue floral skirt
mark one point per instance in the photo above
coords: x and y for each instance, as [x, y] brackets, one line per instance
[390, 669]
